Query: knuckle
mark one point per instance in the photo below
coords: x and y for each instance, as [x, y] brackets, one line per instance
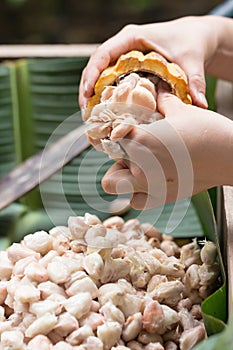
[130, 28]
[137, 171]
[133, 31]
[137, 137]
[107, 184]
[198, 80]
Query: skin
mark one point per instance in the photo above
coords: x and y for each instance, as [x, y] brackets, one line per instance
[191, 149]
[172, 177]
[205, 47]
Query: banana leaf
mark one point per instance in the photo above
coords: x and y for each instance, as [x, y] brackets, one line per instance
[8, 220]
[211, 84]
[4, 242]
[214, 308]
[7, 142]
[218, 341]
[8, 146]
[47, 94]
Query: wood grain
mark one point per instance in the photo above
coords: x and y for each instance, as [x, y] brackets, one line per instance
[61, 50]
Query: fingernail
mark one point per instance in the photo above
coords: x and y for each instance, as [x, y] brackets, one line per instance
[202, 99]
[85, 86]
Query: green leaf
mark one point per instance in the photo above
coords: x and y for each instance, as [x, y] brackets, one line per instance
[224, 341]
[180, 220]
[214, 308]
[7, 143]
[209, 344]
[4, 242]
[211, 84]
[9, 216]
[8, 220]
[30, 222]
[220, 341]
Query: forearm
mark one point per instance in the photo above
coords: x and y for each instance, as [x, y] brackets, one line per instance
[221, 64]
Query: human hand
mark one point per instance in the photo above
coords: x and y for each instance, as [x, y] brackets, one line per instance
[188, 151]
[191, 42]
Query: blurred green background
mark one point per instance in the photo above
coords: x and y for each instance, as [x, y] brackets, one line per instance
[89, 21]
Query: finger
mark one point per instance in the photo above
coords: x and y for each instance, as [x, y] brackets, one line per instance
[120, 164]
[106, 54]
[196, 79]
[119, 180]
[167, 102]
[98, 61]
[95, 143]
[82, 100]
[120, 131]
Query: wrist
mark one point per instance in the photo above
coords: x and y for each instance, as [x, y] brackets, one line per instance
[220, 62]
[224, 28]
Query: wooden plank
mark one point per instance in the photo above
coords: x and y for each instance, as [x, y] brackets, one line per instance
[61, 50]
[228, 239]
[224, 100]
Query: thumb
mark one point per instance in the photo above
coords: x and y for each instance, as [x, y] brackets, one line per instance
[167, 103]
